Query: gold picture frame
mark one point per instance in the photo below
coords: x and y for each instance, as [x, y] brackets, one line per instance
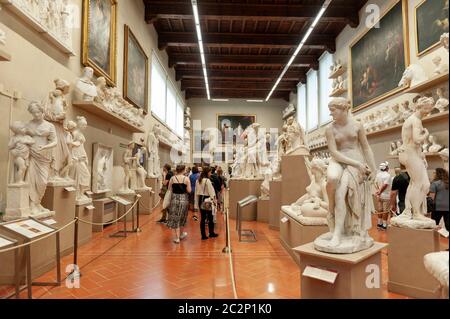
[406, 49]
[129, 35]
[433, 46]
[104, 60]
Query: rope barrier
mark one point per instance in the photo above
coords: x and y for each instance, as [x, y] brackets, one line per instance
[113, 221]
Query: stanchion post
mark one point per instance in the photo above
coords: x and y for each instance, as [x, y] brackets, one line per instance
[138, 196]
[75, 243]
[227, 248]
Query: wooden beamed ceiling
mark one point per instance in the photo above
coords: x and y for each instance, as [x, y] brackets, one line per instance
[247, 42]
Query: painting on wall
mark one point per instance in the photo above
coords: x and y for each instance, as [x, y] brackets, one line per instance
[232, 126]
[102, 168]
[135, 79]
[379, 57]
[431, 22]
[99, 37]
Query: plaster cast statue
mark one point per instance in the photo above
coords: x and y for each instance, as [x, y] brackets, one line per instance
[412, 156]
[295, 138]
[440, 68]
[442, 102]
[19, 147]
[187, 123]
[102, 90]
[237, 166]
[434, 146]
[55, 113]
[141, 173]
[265, 186]
[342, 83]
[45, 137]
[80, 173]
[349, 184]
[445, 41]
[85, 89]
[153, 161]
[290, 110]
[312, 208]
[129, 163]
[406, 110]
[102, 171]
[256, 151]
[437, 265]
[444, 156]
[337, 65]
[413, 75]
[187, 112]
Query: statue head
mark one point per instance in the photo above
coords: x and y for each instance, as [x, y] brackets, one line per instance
[36, 110]
[88, 72]
[81, 122]
[101, 82]
[318, 167]
[62, 85]
[425, 105]
[18, 128]
[437, 60]
[339, 107]
[70, 126]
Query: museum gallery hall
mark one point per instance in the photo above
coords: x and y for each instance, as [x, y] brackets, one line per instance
[218, 149]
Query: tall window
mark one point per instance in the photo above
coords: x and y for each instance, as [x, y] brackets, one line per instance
[325, 87]
[158, 90]
[312, 96]
[301, 105]
[167, 105]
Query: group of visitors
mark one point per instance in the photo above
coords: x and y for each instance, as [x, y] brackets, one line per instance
[391, 192]
[199, 189]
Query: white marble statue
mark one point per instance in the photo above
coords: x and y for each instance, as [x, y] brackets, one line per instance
[256, 152]
[444, 40]
[412, 156]
[19, 147]
[435, 147]
[187, 123]
[437, 265]
[154, 165]
[102, 172]
[55, 112]
[349, 184]
[413, 75]
[439, 66]
[80, 171]
[141, 173]
[265, 185]
[187, 112]
[102, 91]
[442, 103]
[406, 110]
[444, 156]
[312, 208]
[129, 165]
[290, 110]
[342, 83]
[296, 138]
[85, 90]
[45, 137]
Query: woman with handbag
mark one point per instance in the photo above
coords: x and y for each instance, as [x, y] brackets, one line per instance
[205, 196]
[179, 188]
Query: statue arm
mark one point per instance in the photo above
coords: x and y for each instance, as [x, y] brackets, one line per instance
[52, 139]
[367, 150]
[338, 156]
[420, 134]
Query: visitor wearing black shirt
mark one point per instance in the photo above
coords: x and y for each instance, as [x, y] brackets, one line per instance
[399, 187]
[167, 174]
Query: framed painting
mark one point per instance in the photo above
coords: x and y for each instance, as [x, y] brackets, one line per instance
[379, 57]
[231, 126]
[102, 168]
[431, 18]
[135, 78]
[100, 37]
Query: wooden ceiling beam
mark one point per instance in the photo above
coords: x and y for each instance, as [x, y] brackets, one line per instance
[247, 40]
[234, 94]
[237, 85]
[242, 60]
[248, 75]
[239, 11]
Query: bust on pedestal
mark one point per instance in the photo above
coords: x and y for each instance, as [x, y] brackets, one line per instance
[85, 89]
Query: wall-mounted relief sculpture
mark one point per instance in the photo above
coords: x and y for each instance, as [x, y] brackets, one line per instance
[411, 154]
[99, 37]
[349, 184]
[431, 22]
[102, 168]
[135, 78]
[379, 57]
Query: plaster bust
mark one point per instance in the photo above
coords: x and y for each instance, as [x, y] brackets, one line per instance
[85, 89]
[440, 67]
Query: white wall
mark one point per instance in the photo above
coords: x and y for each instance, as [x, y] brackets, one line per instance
[35, 64]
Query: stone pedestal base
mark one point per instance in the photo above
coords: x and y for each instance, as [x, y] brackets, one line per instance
[154, 183]
[240, 189]
[86, 213]
[294, 234]
[105, 211]
[295, 178]
[146, 201]
[61, 200]
[407, 273]
[263, 210]
[275, 205]
[359, 275]
[17, 202]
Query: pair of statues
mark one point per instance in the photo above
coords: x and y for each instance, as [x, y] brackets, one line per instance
[135, 173]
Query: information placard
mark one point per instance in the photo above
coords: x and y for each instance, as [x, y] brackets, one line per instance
[29, 228]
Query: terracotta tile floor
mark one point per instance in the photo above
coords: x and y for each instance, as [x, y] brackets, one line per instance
[149, 265]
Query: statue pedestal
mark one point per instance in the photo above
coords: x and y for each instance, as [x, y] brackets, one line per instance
[275, 205]
[61, 200]
[154, 183]
[146, 201]
[332, 276]
[105, 211]
[263, 210]
[294, 234]
[86, 213]
[295, 178]
[407, 273]
[17, 202]
[240, 189]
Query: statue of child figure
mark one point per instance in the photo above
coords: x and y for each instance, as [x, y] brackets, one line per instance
[19, 146]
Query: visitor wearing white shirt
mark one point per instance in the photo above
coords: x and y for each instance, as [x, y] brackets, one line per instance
[383, 183]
